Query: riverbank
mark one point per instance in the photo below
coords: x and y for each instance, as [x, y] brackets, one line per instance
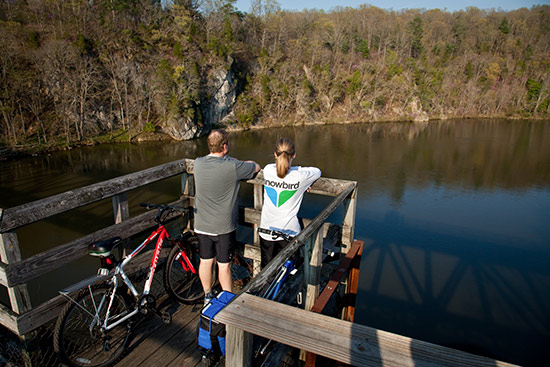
[25, 150]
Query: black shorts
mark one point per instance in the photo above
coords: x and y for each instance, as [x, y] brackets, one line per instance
[270, 249]
[220, 246]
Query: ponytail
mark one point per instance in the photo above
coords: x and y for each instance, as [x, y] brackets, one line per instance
[284, 152]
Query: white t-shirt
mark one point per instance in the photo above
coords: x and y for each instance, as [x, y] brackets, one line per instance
[283, 197]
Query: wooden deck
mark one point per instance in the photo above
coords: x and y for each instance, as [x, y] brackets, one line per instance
[157, 344]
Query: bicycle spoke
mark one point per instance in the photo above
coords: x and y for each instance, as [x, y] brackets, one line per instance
[79, 337]
[180, 280]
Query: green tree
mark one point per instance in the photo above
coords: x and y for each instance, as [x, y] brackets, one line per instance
[416, 29]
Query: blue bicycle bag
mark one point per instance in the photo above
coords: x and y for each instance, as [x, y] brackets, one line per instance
[211, 336]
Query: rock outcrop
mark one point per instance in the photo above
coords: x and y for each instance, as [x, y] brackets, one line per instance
[222, 91]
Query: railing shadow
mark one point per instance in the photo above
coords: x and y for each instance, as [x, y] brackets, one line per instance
[456, 290]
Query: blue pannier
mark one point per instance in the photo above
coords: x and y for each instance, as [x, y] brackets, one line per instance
[212, 333]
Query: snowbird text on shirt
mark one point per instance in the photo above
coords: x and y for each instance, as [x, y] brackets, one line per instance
[282, 185]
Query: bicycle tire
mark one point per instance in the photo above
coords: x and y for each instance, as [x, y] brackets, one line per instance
[78, 345]
[181, 283]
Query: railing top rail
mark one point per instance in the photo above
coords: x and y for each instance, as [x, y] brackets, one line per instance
[24, 214]
[323, 186]
[28, 213]
[340, 340]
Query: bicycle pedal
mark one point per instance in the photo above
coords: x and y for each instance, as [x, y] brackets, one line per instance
[166, 318]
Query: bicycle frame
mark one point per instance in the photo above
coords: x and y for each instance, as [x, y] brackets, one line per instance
[162, 235]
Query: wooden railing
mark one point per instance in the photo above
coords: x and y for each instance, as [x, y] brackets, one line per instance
[15, 272]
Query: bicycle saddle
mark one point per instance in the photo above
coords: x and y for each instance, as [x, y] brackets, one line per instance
[103, 248]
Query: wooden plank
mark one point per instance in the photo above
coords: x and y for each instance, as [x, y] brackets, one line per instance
[349, 220]
[188, 192]
[157, 344]
[255, 253]
[340, 340]
[337, 276]
[40, 315]
[238, 347]
[8, 318]
[3, 275]
[189, 358]
[9, 253]
[49, 260]
[36, 210]
[353, 284]
[258, 204]
[313, 271]
[120, 207]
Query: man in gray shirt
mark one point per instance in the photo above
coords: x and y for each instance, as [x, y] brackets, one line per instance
[217, 180]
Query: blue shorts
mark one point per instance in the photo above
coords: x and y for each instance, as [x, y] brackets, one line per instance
[220, 246]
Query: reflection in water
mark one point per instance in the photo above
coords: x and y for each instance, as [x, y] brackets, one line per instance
[454, 215]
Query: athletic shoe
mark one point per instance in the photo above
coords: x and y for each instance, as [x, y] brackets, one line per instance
[208, 297]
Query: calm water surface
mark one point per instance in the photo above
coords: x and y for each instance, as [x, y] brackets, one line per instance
[455, 216]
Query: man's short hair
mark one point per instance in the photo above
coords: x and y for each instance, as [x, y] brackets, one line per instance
[216, 140]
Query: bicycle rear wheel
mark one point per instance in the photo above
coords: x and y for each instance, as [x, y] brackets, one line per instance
[179, 279]
[79, 339]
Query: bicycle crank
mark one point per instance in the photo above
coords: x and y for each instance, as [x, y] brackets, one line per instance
[147, 304]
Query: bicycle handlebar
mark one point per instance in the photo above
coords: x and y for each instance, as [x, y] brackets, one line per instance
[162, 208]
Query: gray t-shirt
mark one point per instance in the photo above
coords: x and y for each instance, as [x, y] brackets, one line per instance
[216, 187]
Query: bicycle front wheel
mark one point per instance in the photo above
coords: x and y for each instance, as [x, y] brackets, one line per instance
[181, 275]
[79, 339]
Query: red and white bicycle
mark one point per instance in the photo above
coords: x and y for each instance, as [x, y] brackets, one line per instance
[94, 327]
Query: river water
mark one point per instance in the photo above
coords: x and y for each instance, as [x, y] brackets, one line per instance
[455, 216]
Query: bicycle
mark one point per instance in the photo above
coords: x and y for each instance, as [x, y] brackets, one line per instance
[94, 327]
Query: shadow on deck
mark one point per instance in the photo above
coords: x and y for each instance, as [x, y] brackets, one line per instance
[157, 344]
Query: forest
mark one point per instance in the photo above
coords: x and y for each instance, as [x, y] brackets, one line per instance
[77, 72]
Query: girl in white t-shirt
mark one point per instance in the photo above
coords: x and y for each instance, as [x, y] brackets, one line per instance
[284, 188]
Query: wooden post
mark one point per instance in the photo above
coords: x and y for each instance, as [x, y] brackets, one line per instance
[314, 246]
[188, 190]
[9, 254]
[238, 347]
[258, 204]
[120, 207]
[348, 229]
[353, 285]
[312, 272]
[349, 221]
[121, 213]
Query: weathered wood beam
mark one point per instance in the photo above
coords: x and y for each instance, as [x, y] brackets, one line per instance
[337, 276]
[343, 341]
[36, 210]
[10, 254]
[8, 318]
